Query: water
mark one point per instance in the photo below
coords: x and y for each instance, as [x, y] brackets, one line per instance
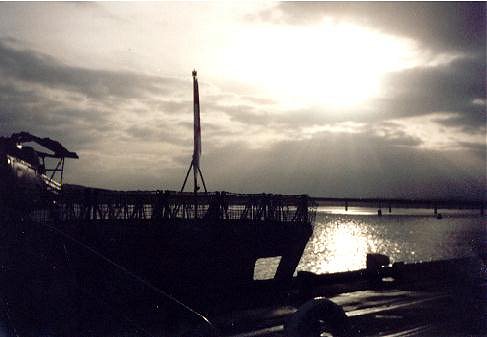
[341, 239]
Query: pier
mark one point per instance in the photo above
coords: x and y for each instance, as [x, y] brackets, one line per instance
[389, 204]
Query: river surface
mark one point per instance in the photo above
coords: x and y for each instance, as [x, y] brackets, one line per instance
[341, 240]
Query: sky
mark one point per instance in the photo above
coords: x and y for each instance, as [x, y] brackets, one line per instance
[330, 99]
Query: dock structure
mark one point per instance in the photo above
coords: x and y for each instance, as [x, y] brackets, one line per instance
[379, 203]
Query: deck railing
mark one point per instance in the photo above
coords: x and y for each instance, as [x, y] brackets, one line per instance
[93, 204]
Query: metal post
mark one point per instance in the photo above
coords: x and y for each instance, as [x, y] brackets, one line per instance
[203, 180]
[62, 171]
[195, 176]
[187, 174]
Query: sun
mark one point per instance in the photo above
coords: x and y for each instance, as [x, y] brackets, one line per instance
[331, 64]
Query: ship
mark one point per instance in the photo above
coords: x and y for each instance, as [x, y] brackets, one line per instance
[84, 261]
[196, 247]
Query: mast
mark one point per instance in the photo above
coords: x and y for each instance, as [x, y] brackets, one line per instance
[195, 161]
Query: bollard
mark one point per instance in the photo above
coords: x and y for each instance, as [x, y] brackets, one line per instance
[374, 264]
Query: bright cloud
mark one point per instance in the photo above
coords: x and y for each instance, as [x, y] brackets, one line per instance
[332, 64]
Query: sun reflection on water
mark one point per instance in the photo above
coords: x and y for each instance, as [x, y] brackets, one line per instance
[341, 242]
[342, 245]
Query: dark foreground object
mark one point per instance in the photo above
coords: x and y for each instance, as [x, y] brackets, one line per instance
[442, 298]
[42, 295]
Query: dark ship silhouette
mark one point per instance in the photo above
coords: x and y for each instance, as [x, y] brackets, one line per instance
[81, 261]
[199, 247]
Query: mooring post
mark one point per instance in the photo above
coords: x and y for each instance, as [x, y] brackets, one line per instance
[346, 205]
[436, 210]
[390, 208]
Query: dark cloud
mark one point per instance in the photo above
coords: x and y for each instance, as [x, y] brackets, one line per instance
[35, 67]
[437, 25]
[33, 110]
[448, 88]
[454, 85]
[157, 132]
[467, 123]
[77, 105]
[479, 149]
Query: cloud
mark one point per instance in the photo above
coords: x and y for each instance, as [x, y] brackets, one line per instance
[451, 86]
[440, 29]
[40, 92]
[440, 26]
[338, 164]
[26, 107]
[39, 68]
[134, 131]
[246, 114]
[467, 123]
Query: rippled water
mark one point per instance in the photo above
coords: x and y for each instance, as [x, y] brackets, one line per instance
[340, 242]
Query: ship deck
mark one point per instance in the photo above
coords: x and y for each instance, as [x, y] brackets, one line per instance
[423, 303]
[387, 313]
[443, 298]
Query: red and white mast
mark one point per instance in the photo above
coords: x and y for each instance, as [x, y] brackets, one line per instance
[195, 162]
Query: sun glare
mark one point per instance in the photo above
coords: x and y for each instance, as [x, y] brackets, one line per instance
[328, 64]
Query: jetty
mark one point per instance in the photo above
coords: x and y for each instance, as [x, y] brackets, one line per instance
[390, 203]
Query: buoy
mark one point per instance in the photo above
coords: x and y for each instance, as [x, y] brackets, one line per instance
[317, 316]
